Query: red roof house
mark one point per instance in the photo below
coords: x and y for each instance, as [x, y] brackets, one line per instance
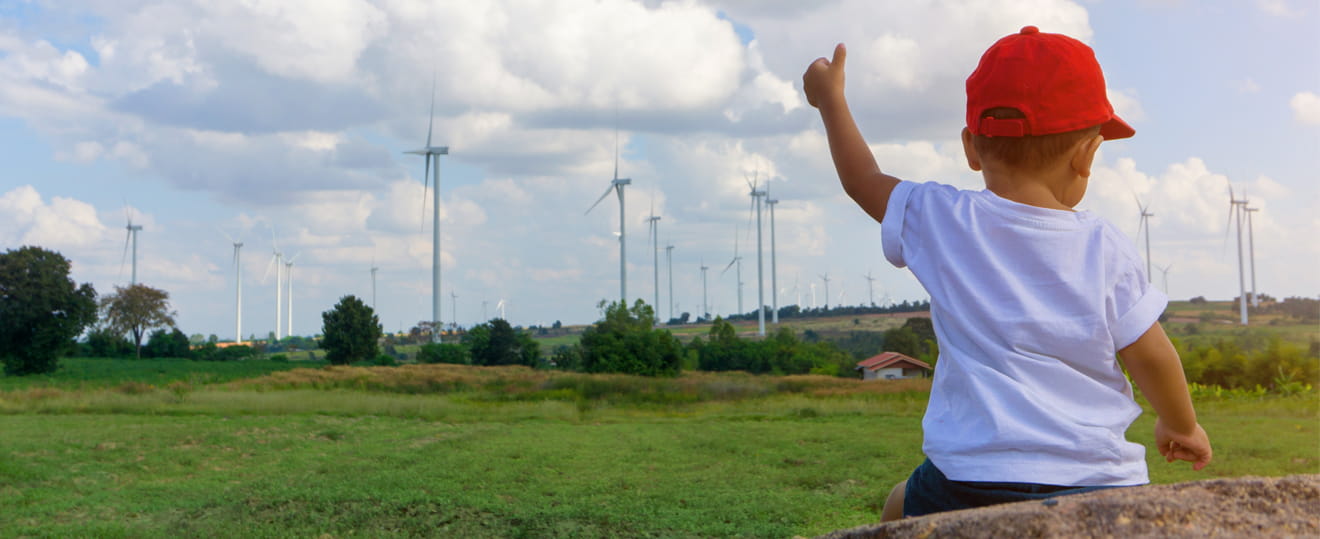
[892, 366]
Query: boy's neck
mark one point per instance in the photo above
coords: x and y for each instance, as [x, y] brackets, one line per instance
[1039, 189]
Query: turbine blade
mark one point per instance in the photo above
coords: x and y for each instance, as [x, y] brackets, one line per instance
[266, 275]
[125, 255]
[602, 197]
[731, 263]
[431, 119]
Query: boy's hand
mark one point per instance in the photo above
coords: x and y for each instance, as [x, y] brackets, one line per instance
[824, 78]
[1194, 447]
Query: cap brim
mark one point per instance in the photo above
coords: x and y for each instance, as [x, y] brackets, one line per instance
[1116, 128]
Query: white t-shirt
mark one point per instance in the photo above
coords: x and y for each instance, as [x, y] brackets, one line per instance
[1030, 305]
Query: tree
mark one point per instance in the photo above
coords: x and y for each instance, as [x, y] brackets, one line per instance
[351, 332]
[497, 343]
[137, 310]
[443, 353]
[42, 309]
[168, 344]
[625, 341]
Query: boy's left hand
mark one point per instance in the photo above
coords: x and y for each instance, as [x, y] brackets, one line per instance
[824, 78]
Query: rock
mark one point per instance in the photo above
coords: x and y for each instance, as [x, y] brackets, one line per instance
[1253, 507]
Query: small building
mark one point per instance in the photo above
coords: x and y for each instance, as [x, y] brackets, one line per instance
[892, 366]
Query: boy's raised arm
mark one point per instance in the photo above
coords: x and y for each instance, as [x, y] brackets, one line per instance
[861, 177]
[1155, 367]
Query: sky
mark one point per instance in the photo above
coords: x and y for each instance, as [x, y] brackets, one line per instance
[284, 125]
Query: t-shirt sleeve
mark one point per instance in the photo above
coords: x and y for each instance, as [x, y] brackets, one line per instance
[1136, 307]
[891, 228]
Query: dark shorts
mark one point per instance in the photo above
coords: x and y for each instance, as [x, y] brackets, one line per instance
[929, 491]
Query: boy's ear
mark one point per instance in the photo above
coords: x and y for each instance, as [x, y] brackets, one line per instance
[973, 160]
[1084, 155]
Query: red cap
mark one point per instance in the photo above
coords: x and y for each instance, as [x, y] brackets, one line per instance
[1053, 79]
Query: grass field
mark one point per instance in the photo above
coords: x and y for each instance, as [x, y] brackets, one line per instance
[441, 450]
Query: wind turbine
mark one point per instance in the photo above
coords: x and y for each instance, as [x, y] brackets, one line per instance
[276, 259]
[842, 288]
[813, 294]
[1145, 223]
[1165, 271]
[288, 274]
[374, 269]
[617, 185]
[705, 305]
[669, 259]
[238, 289]
[1234, 213]
[774, 275]
[826, 277]
[870, 288]
[428, 151]
[501, 306]
[454, 302]
[1251, 242]
[737, 260]
[757, 197]
[653, 223]
[130, 236]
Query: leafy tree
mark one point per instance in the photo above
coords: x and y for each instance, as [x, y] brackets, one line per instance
[168, 344]
[497, 343]
[351, 332]
[41, 309]
[443, 353]
[626, 341]
[137, 310]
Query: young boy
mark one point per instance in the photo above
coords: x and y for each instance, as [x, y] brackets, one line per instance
[1030, 299]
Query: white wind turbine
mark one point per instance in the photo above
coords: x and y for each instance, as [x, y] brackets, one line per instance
[826, 277]
[130, 237]
[669, 260]
[428, 152]
[1235, 214]
[501, 305]
[737, 260]
[842, 288]
[238, 289]
[757, 197]
[454, 315]
[617, 185]
[774, 275]
[653, 224]
[813, 294]
[276, 259]
[1165, 271]
[288, 274]
[870, 288]
[705, 305]
[1251, 242]
[1144, 223]
[374, 269]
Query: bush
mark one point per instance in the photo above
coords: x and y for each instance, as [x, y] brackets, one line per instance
[279, 358]
[450, 353]
[351, 332]
[497, 343]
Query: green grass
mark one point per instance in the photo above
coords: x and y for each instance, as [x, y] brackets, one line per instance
[508, 452]
[94, 373]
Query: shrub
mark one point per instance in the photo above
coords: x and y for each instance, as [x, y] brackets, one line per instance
[351, 332]
[450, 353]
[626, 341]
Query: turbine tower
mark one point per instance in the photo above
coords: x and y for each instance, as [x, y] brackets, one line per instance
[276, 259]
[130, 237]
[669, 260]
[617, 185]
[238, 289]
[428, 152]
[870, 288]
[826, 277]
[288, 274]
[453, 296]
[1144, 223]
[374, 269]
[737, 260]
[1235, 214]
[1165, 271]
[757, 196]
[1251, 242]
[774, 275]
[705, 305]
[653, 223]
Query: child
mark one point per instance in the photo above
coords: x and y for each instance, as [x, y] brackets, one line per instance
[1030, 299]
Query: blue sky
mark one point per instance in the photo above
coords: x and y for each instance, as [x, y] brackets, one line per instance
[291, 118]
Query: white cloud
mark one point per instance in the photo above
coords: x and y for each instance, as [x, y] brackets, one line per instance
[1306, 108]
[25, 219]
[1278, 8]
